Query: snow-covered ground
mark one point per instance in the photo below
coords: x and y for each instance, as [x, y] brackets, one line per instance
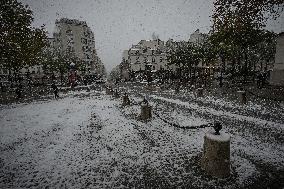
[87, 140]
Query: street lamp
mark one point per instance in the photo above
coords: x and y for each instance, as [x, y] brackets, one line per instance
[222, 56]
[72, 65]
[148, 71]
[72, 76]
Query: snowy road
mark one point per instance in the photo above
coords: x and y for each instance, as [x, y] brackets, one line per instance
[86, 140]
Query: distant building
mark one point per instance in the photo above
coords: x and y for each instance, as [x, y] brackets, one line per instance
[124, 66]
[277, 74]
[147, 54]
[99, 68]
[153, 55]
[76, 38]
[72, 37]
[197, 37]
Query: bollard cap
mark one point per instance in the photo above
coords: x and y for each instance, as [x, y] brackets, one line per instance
[222, 137]
[241, 91]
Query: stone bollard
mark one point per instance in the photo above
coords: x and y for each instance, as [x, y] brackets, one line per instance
[146, 110]
[150, 87]
[216, 154]
[116, 94]
[109, 91]
[177, 89]
[88, 89]
[242, 97]
[199, 92]
[125, 100]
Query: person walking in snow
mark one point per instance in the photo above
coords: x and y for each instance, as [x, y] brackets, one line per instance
[55, 90]
[18, 92]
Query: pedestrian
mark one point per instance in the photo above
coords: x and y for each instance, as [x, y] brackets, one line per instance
[263, 79]
[55, 90]
[85, 81]
[1, 86]
[258, 80]
[18, 92]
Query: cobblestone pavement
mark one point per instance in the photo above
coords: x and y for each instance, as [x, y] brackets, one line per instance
[87, 140]
[256, 128]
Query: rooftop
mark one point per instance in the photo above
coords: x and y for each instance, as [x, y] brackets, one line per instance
[71, 21]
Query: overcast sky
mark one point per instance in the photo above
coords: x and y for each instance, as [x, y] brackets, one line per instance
[117, 24]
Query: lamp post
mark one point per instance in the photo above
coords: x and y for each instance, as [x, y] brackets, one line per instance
[148, 71]
[222, 56]
[72, 76]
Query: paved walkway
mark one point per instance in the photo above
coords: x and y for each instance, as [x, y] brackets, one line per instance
[87, 140]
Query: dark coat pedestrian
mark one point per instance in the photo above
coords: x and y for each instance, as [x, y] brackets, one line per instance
[258, 80]
[18, 92]
[55, 90]
[1, 86]
[85, 81]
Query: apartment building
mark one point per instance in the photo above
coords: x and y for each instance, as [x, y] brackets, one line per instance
[147, 55]
[277, 74]
[197, 37]
[74, 37]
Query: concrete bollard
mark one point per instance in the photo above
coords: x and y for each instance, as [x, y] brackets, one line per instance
[116, 94]
[216, 154]
[177, 89]
[109, 91]
[199, 92]
[125, 100]
[242, 97]
[146, 111]
[150, 87]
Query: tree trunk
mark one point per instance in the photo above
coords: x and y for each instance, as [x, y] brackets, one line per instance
[245, 66]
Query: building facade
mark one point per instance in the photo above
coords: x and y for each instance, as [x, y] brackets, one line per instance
[74, 37]
[277, 74]
[147, 54]
[197, 37]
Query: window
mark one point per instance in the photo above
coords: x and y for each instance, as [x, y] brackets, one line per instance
[84, 41]
[70, 42]
[69, 32]
[86, 48]
[70, 49]
[87, 34]
[87, 56]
